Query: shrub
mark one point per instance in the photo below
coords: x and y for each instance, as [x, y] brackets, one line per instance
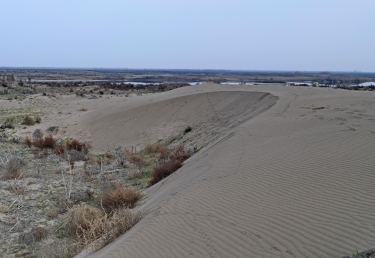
[93, 226]
[49, 142]
[78, 146]
[59, 150]
[38, 142]
[188, 129]
[52, 128]
[9, 123]
[120, 198]
[12, 166]
[27, 120]
[164, 170]
[80, 218]
[46, 143]
[27, 141]
[157, 148]
[137, 160]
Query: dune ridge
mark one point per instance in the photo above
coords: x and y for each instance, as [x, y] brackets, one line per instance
[293, 181]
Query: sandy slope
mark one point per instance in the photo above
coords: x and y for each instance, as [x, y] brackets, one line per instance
[294, 181]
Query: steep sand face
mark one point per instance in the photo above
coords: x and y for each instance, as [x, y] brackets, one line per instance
[209, 114]
[294, 181]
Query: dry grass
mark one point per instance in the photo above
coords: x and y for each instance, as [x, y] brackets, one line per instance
[27, 120]
[80, 218]
[164, 170]
[120, 198]
[59, 150]
[78, 146]
[46, 143]
[11, 166]
[49, 142]
[138, 160]
[157, 149]
[59, 249]
[95, 228]
[27, 141]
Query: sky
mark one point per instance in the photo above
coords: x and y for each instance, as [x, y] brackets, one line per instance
[290, 35]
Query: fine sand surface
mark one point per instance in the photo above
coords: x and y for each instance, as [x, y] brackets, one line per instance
[285, 174]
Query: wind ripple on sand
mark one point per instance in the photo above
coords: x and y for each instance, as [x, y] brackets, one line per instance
[277, 186]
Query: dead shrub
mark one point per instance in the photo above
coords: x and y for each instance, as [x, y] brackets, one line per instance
[49, 142]
[155, 148]
[119, 198]
[78, 146]
[27, 141]
[93, 227]
[164, 170]
[59, 150]
[137, 160]
[27, 120]
[179, 153]
[38, 142]
[11, 166]
[134, 175]
[82, 109]
[52, 213]
[107, 228]
[80, 218]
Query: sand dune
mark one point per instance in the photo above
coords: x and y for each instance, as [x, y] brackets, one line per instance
[286, 174]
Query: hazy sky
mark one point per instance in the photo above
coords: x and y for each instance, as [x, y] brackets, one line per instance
[334, 35]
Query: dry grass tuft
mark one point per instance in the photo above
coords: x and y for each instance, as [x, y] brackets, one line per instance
[27, 141]
[80, 218]
[120, 198]
[137, 160]
[11, 166]
[27, 120]
[155, 148]
[94, 228]
[164, 170]
[46, 143]
[78, 146]
[49, 142]
[59, 150]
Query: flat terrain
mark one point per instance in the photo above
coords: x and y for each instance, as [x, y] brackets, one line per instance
[291, 177]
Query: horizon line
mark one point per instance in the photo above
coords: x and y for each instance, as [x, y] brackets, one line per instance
[170, 69]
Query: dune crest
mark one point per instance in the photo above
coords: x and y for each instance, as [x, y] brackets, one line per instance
[294, 181]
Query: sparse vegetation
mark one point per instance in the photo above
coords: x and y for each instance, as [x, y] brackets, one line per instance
[11, 166]
[119, 198]
[95, 228]
[164, 170]
[28, 121]
[27, 141]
